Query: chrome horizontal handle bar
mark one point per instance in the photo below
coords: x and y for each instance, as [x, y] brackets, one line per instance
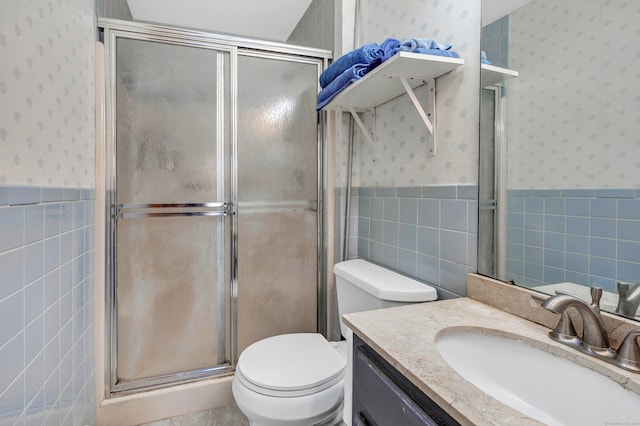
[129, 211]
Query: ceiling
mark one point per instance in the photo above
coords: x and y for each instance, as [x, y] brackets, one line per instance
[269, 20]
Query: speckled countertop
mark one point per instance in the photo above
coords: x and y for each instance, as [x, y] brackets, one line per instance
[405, 337]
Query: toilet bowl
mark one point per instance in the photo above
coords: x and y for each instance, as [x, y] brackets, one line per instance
[301, 379]
[290, 379]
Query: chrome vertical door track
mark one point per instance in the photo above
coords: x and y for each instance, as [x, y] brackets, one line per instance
[233, 178]
[492, 176]
[220, 190]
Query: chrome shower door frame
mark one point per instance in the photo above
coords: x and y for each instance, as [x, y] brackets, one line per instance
[321, 60]
[492, 245]
[115, 210]
[235, 46]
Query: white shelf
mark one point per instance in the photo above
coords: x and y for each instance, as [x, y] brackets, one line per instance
[383, 83]
[491, 75]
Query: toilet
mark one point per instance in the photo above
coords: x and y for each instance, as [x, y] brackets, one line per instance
[301, 379]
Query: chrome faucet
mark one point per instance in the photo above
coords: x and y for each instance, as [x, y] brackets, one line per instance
[594, 340]
[628, 356]
[628, 299]
[594, 335]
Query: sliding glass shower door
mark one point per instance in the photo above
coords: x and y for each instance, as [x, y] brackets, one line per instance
[171, 212]
[213, 197]
[277, 196]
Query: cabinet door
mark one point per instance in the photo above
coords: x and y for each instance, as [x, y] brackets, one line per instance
[382, 396]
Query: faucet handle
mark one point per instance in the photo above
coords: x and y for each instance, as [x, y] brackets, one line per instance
[623, 289]
[623, 293]
[596, 295]
[628, 354]
[565, 330]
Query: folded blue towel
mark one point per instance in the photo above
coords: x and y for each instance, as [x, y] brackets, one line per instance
[437, 52]
[369, 54]
[483, 58]
[422, 43]
[390, 47]
[355, 73]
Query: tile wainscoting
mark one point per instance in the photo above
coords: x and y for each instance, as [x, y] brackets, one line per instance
[46, 305]
[426, 232]
[585, 236]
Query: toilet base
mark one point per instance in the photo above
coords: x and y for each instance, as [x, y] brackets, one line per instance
[320, 409]
[334, 421]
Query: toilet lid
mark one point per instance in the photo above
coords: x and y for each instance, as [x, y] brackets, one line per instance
[291, 363]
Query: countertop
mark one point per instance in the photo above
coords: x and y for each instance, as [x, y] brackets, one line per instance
[405, 337]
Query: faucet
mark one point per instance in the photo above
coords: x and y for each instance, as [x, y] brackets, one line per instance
[628, 299]
[594, 340]
[628, 356]
[594, 335]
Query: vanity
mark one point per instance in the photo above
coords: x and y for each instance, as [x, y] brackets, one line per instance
[408, 341]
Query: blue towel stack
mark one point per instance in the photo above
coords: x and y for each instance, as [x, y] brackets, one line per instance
[437, 52]
[352, 66]
[412, 44]
[369, 54]
[390, 47]
[347, 69]
[350, 75]
[427, 46]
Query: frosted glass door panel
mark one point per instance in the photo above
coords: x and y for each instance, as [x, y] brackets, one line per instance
[277, 130]
[277, 275]
[172, 274]
[169, 296]
[168, 100]
[277, 192]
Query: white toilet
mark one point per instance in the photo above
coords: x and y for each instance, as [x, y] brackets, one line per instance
[303, 379]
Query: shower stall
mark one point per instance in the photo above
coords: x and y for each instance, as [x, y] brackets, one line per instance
[213, 200]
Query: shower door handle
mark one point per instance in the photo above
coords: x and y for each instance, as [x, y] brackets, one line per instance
[128, 211]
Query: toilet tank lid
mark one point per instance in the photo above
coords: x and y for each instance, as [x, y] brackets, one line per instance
[384, 283]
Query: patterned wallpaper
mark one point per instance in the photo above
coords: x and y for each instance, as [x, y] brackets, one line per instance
[574, 111]
[401, 146]
[46, 93]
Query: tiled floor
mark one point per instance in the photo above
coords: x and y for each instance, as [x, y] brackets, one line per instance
[224, 416]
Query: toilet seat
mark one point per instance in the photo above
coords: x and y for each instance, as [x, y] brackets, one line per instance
[290, 365]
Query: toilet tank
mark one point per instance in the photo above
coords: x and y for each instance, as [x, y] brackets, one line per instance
[363, 286]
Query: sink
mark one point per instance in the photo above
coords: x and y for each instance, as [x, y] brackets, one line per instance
[541, 385]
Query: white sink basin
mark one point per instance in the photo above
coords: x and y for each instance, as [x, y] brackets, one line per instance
[537, 383]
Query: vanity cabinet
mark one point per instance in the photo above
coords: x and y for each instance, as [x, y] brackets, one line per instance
[383, 396]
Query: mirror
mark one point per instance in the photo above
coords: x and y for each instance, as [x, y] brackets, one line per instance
[560, 148]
